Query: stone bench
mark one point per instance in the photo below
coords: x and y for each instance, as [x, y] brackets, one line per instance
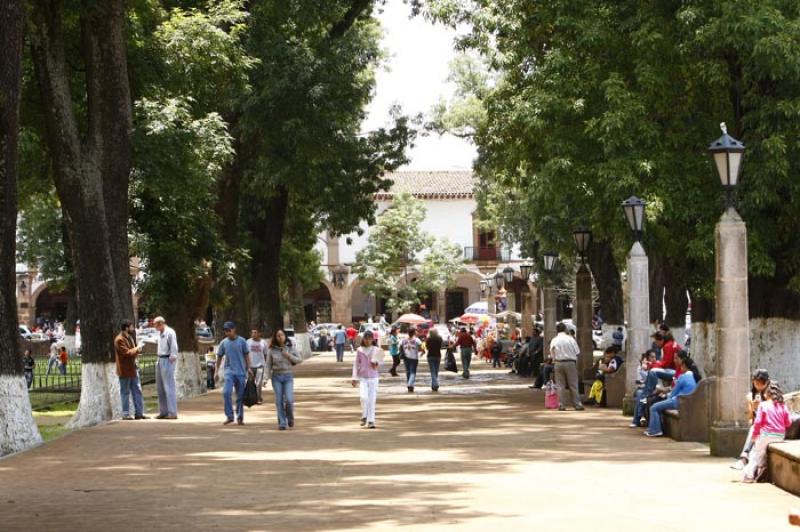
[613, 386]
[691, 422]
[783, 465]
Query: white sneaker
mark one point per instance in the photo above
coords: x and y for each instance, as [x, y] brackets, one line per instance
[634, 426]
[739, 465]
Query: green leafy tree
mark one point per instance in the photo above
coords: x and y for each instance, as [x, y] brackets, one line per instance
[396, 244]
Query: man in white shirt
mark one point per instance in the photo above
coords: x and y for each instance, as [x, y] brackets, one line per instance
[258, 350]
[165, 370]
[564, 350]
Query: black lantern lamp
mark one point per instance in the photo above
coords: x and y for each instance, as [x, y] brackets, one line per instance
[498, 280]
[728, 154]
[550, 261]
[583, 240]
[508, 274]
[526, 269]
[633, 208]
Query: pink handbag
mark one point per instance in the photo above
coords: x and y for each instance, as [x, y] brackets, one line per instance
[550, 396]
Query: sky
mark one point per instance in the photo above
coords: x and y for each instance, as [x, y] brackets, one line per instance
[415, 77]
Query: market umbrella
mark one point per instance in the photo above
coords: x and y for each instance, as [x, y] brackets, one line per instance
[509, 313]
[469, 318]
[412, 319]
[478, 308]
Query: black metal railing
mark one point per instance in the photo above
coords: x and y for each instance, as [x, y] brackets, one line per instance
[489, 254]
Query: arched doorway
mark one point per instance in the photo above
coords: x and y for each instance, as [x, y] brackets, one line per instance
[317, 305]
[50, 306]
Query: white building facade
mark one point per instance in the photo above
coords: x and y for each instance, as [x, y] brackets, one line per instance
[450, 213]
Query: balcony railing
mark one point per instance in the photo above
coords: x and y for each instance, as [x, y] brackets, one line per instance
[472, 254]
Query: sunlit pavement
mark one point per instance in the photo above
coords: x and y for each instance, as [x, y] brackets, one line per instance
[481, 454]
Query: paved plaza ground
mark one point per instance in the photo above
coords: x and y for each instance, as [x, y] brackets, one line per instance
[479, 455]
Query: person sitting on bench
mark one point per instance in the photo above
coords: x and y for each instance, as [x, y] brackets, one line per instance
[610, 363]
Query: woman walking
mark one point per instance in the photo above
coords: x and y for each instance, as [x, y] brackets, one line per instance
[434, 347]
[411, 348]
[281, 359]
[365, 372]
[394, 350]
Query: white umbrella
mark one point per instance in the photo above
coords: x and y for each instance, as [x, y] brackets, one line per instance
[412, 319]
[479, 307]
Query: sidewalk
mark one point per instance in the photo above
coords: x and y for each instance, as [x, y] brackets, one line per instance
[479, 455]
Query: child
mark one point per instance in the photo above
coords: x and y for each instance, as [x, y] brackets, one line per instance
[648, 357]
[772, 420]
[63, 358]
[365, 371]
[610, 363]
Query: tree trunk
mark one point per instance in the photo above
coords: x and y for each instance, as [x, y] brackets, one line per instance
[188, 372]
[676, 302]
[656, 287]
[298, 316]
[18, 430]
[91, 179]
[268, 235]
[609, 287]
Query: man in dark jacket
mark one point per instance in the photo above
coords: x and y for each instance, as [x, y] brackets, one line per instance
[536, 352]
[128, 372]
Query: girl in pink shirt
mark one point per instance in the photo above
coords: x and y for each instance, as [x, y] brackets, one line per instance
[772, 420]
[365, 372]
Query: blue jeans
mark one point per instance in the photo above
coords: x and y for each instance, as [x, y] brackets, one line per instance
[339, 352]
[283, 386]
[411, 371]
[638, 406]
[130, 386]
[653, 377]
[231, 382]
[655, 414]
[433, 365]
[466, 359]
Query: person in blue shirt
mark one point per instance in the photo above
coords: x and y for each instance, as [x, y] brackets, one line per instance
[233, 349]
[339, 339]
[685, 385]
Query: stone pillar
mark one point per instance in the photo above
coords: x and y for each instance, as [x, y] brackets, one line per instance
[340, 305]
[638, 341]
[527, 301]
[441, 305]
[583, 321]
[549, 317]
[333, 250]
[729, 426]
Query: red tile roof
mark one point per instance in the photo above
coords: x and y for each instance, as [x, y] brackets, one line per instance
[430, 184]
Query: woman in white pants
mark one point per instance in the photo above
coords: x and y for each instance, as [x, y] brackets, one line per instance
[365, 372]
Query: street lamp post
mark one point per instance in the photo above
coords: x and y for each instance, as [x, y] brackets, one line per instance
[549, 296]
[729, 422]
[528, 299]
[490, 284]
[638, 299]
[583, 301]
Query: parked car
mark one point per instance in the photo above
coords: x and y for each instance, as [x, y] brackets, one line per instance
[379, 331]
[205, 333]
[597, 336]
[25, 332]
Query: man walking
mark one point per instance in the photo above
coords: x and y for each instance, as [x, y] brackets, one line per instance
[233, 349]
[339, 339]
[165, 370]
[258, 350]
[127, 352]
[52, 362]
[564, 350]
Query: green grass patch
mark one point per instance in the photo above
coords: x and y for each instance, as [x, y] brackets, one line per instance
[51, 432]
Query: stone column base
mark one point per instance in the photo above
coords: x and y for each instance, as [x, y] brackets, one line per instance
[727, 440]
[628, 405]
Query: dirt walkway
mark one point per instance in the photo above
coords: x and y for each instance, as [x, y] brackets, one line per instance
[482, 455]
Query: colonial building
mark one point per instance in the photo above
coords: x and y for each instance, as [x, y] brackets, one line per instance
[451, 212]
